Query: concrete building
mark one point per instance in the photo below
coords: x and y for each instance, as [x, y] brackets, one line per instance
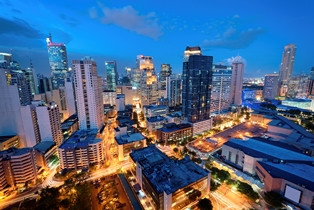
[112, 75]
[7, 142]
[46, 153]
[58, 61]
[88, 94]
[299, 103]
[109, 97]
[165, 71]
[154, 123]
[120, 102]
[173, 132]
[80, 150]
[127, 91]
[294, 181]
[286, 67]
[174, 117]
[297, 86]
[262, 117]
[173, 89]
[31, 79]
[10, 112]
[220, 93]
[237, 80]
[153, 110]
[165, 180]
[127, 142]
[19, 166]
[270, 86]
[148, 87]
[244, 154]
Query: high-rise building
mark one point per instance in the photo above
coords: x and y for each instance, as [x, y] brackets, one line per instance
[196, 87]
[6, 57]
[286, 67]
[270, 86]
[148, 87]
[310, 88]
[44, 84]
[31, 78]
[173, 89]
[237, 80]
[220, 95]
[88, 91]
[112, 75]
[165, 72]
[297, 86]
[58, 61]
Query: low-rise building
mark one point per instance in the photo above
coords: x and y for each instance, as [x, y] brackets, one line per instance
[127, 142]
[154, 123]
[174, 132]
[261, 117]
[168, 182]
[69, 126]
[80, 150]
[7, 142]
[294, 181]
[244, 154]
[299, 103]
[153, 110]
[202, 147]
[46, 154]
[174, 117]
[201, 126]
[18, 166]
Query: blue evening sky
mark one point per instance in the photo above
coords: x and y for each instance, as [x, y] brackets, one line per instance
[107, 30]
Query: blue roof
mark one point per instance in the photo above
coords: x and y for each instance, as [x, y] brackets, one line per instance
[129, 138]
[267, 150]
[300, 174]
[171, 127]
[80, 139]
[155, 119]
[44, 146]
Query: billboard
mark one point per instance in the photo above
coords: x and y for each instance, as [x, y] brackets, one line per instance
[292, 194]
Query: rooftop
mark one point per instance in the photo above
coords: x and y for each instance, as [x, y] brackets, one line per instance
[130, 138]
[203, 145]
[297, 100]
[14, 152]
[80, 139]
[165, 174]
[44, 146]
[300, 174]
[268, 150]
[5, 138]
[172, 127]
[155, 119]
[155, 107]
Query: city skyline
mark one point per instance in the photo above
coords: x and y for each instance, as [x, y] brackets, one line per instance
[222, 33]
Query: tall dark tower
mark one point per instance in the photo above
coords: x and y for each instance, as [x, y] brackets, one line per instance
[196, 87]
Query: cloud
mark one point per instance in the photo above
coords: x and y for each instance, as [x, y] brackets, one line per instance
[130, 19]
[68, 20]
[236, 16]
[232, 39]
[19, 27]
[16, 11]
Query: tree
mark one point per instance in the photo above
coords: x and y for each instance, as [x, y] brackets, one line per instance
[135, 117]
[247, 115]
[274, 199]
[247, 190]
[205, 204]
[176, 150]
[214, 185]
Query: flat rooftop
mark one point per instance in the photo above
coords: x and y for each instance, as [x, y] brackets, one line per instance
[301, 174]
[202, 145]
[44, 146]
[5, 138]
[80, 139]
[172, 127]
[155, 107]
[155, 119]
[165, 174]
[14, 152]
[259, 149]
[130, 138]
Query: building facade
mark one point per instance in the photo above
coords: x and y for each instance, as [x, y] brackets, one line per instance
[237, 80]
[270, 86]
[58, 61]
[165, 71]
[7, 142]
[220, 95]
[174, 132]
[196, 86]
[112, 75]
[173, 89]
[88, 90]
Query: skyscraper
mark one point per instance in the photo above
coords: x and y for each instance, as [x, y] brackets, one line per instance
[165, 72]
[88, 91]
[270, 86]
[220, 95]
[173, 88]
[148, 87]
[196, 87]
[286, 67]
[31, 78]
[58, 61]
[112, 75]
[237, 80]
[6, 56]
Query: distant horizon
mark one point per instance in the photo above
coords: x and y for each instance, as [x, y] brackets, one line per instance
[120, 31]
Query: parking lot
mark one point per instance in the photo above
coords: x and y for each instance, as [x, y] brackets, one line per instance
[246, 129]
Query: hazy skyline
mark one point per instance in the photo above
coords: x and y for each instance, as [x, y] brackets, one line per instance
[118, 30]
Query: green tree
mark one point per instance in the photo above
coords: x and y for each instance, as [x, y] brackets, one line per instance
[214, 185]
[247, 190]
[274, 199]
[205, 204]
